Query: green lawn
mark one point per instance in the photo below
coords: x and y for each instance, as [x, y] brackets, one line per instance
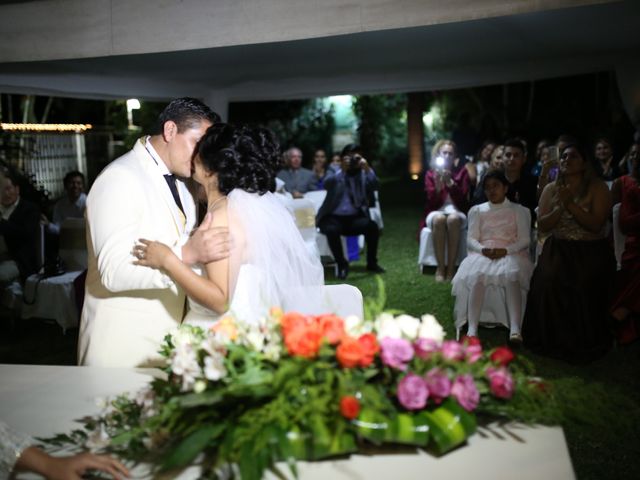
[601, 401]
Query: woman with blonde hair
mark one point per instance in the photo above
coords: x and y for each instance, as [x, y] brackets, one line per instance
[446, 205]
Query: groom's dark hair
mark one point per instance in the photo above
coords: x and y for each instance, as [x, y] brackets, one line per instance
[186, 113]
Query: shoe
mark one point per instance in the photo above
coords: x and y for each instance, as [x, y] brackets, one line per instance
[515, 339]
[342, 272]
[439, 277]
[375, 268]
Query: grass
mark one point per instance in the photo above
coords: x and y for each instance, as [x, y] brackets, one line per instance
[600, 401]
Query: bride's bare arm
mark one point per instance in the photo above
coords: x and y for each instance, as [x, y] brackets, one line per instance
[207, 291]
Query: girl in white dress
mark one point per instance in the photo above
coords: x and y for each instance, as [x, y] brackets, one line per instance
[268, 259]
[498, 242]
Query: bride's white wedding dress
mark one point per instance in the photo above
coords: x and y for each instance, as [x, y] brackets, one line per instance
[268, 263]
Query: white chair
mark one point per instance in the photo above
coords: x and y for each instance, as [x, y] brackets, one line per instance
[618, 237]
[494, 308]
[375, 212]
[427, 253]
[342, 300]
[305, 217]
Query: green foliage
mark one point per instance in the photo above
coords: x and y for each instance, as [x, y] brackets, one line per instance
[382, 131]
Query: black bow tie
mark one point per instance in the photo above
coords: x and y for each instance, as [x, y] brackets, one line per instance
[171, 181]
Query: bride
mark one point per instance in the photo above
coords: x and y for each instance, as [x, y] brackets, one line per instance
[268, 260]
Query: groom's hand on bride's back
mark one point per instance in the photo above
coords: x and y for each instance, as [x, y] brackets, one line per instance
[207, 244]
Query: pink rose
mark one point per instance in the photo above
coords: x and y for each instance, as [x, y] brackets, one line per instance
[413, 392]
[424, 347]
[473, 352]
[465, 392]
[438, 384]
[452, 350]
[500, 382]
[396, 352]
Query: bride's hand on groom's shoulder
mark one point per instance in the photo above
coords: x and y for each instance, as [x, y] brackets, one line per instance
[207, 244]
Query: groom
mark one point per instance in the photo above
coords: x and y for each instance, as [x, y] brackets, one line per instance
[128, 309]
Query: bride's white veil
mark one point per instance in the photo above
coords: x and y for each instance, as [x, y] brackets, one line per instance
[269, 259]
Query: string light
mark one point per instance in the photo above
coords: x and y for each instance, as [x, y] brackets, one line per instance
[45, 127]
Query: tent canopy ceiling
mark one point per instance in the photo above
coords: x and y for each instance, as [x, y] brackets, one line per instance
[499, 49]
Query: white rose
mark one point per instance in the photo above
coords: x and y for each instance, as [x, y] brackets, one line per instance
[430, 329]
[214, 367]
[255, 339]
[387, 326]
[408, 325]
[353, 325]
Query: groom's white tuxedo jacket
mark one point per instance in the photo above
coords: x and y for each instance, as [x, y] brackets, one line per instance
[128, 309]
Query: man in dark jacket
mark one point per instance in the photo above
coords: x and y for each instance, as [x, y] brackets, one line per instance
[345, 210]
[19, 226]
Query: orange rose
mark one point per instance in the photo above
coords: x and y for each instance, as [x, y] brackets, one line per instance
[349, 352]
[370, 347]
[227, 327]
[292, 321]
[304, 341]
[276, 313]
[332, 327]
[349, 407]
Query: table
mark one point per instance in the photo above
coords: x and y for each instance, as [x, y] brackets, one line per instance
[43, 400]
[53, 298]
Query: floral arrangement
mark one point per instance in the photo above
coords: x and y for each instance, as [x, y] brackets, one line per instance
[241, 397]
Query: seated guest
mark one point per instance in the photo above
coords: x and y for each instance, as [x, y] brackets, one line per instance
[336, 163]
[568, 302]
[497, 161]
[498, 242]
[19, 224]
[297, 180]
[625, 308]
[480, 162]
[319, 168]
[606, 167]
[345, 210]
[71, 205]
[522, 185]
[446, 204]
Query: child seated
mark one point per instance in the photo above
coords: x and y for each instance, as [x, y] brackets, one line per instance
[498, 245]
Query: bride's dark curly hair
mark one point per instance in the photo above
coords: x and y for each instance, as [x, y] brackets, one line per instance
[243, 157]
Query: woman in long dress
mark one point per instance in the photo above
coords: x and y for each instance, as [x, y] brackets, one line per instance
[498, 242]
[568, 303]
[269, 261]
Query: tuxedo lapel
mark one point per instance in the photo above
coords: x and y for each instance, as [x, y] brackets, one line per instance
[159, 185]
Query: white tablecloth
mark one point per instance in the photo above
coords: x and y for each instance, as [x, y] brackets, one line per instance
[53, 298]
[42, 400]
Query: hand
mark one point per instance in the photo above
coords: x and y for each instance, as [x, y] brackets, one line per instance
[151, 254]
[364, 165]
[207, 244]
[446, 178]
[74, 467]
[44, 220]
[297, 194]
[494, 253]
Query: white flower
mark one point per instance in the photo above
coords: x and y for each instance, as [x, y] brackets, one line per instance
[272, 351]
[353, 325]
[386, 326]
[200, 386]
[408, 325]
[182, 337]
[97, 439]
[430, 329]
[185, 364]
[255, 339]
[214, 368]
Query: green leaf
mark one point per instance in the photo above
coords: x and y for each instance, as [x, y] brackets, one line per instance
[208, 397]
[450, 425]
[191, 446]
